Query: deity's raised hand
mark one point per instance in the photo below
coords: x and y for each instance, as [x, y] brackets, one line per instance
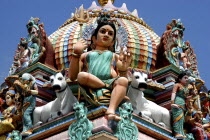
[80, 46]
[125, 59]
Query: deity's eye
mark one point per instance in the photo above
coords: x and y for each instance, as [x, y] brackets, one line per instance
[103, 31]
[110, 33]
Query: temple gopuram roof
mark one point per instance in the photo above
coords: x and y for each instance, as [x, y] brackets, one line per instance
[132, 33]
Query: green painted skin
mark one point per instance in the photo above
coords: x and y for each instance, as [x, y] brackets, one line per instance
[176, 112]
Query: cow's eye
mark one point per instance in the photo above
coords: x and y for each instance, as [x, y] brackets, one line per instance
[145, 79]
[137, 77]
[60, 78]
[51, 80]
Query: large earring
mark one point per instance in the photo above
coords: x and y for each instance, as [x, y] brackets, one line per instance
[111, 48]
[93, 46]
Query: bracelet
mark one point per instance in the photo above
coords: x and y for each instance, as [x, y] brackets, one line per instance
[172, 102]
[83, 41]
[76, 55]
[122, 72]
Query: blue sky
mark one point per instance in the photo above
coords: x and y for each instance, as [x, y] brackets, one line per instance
[194, 14]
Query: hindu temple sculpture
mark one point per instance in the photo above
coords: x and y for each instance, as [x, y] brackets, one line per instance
[143, 107]
[178, 98]
[81, 129]
[21, 58]
[62, 104]
[11, 114]
[110, 59]
[94, 72]
[29, 92]
[173, 50]
[36, 47]
[126, 129]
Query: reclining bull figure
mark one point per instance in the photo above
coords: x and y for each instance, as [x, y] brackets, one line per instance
[62, 105]
[143, 107]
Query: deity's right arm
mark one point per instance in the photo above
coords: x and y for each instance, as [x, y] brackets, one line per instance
[77, 59]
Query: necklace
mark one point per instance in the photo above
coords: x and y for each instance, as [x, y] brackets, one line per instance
[185, 89]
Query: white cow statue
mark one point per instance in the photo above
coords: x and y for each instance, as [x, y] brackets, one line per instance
[143, 107]
[62, 105]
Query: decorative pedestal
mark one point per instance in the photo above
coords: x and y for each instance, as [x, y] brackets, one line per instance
[58, 128]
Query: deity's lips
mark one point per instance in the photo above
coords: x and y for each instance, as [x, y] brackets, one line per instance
[105, 39]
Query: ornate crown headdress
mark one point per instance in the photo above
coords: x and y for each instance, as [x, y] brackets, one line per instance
[107, 16]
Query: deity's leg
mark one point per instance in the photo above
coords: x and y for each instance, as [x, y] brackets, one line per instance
[118, 94]
[89, 80]
[27, 120]
[178, 121]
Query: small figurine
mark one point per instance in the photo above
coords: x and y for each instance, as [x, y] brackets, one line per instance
[11, 117]
[178, 98]
[24, 55]
[34, 38]
[198, 129]
[29, 102]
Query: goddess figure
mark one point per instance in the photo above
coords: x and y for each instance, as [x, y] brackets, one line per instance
[11, 116]
[179, 95]
[24, 56]
[101, 68]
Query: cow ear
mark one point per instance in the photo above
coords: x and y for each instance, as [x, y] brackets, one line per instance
[63, 72]
[132, 71]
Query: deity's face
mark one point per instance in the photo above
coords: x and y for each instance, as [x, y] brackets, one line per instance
[9, 100]
[21, 48]
[105, 37]
[184, 80]
[26, 82]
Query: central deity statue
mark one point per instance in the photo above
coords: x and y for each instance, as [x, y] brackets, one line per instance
[100, 69]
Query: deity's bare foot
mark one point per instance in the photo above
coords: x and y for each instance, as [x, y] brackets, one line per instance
[112, 116]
